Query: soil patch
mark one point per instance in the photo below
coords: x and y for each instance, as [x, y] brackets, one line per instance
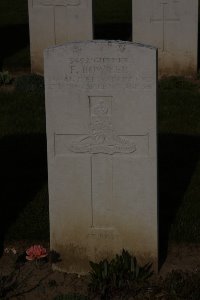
[39, 281]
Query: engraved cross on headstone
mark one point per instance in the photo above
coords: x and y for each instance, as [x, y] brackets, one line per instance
[102, 143]
[56, 4]
[169, 14]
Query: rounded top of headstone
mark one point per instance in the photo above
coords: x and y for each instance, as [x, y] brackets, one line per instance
[117, 43]
[104, 65]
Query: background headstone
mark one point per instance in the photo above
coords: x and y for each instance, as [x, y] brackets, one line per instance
[172, 26]
[53, 22]
[102, 160]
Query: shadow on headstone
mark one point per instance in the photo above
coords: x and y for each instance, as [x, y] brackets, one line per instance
[23, 163]
[177, 158]
[13, 38]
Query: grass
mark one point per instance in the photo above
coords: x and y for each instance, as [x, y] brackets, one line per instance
[18, 61]
[22, 110]
[179, 106]
[13, 12]
[23, 160]
[179, 161]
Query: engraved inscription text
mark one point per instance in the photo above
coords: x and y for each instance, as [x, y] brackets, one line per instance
[102, 73]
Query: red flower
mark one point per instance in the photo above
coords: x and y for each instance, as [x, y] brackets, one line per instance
[36, 252]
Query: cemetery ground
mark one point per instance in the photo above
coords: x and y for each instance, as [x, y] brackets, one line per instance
[24, 192]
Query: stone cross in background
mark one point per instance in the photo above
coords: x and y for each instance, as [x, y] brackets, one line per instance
[54, 22]
[168, 13]
[57, 5]
[172, 26]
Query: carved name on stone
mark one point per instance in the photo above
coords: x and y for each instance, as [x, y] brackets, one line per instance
[102, 73]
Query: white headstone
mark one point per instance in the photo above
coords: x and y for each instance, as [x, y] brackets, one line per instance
[102, 161]
[172, 26]
[53, 22]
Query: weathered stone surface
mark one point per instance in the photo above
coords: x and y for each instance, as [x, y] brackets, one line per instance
[53, 22]
[172, 26]
[102, 160]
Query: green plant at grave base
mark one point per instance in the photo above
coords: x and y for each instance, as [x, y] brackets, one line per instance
[120, 273]
[71, 297]
[5, 78]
